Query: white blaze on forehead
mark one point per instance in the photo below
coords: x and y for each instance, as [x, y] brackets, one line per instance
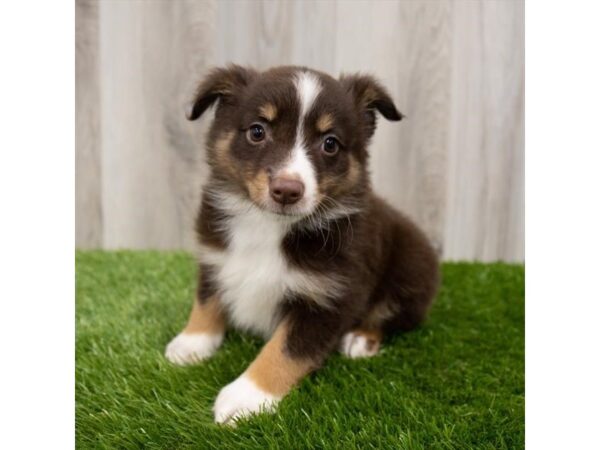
[308, 88]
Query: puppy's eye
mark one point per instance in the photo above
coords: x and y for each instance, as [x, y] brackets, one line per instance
[330, 146]
[256, 133]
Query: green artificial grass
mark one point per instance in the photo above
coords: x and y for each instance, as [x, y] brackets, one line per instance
[455, 383]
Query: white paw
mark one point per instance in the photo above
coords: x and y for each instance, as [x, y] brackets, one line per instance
[191, 348]
[240, 399]
[355, 345]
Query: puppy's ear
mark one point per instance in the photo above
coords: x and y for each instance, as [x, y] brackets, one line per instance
[370, 96]
[221, 83]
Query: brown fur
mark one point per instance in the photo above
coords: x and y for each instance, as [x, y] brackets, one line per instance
[338, 184]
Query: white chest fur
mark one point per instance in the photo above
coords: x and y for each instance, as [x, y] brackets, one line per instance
[252, 273]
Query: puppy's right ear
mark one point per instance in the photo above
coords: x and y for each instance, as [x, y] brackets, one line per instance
[221, 83]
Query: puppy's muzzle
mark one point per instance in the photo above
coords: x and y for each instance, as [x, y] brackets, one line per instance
[286, 191]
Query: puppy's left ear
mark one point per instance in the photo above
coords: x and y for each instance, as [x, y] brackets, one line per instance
[370, 96]
[223, 84]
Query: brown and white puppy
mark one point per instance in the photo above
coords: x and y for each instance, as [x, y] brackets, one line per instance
[294, 245]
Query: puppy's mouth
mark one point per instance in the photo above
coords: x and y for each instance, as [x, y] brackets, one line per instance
[285, 210]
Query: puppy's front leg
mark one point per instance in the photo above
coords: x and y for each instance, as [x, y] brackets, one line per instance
[297, 347]
[202, 335]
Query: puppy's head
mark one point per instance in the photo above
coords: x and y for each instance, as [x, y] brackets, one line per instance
[291, 140]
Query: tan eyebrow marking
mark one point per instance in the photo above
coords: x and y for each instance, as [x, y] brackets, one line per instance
[325, 122]
[268, 111]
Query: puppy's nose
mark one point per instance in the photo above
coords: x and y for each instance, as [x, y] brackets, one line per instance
[286, 191]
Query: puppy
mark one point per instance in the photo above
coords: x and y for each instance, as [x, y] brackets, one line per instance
[294, 244]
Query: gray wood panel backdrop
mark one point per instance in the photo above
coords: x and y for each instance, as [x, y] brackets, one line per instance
[455, 68]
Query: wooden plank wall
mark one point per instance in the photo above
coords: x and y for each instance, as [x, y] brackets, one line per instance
[455, 68]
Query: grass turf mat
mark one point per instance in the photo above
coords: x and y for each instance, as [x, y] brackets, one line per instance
[457, 382]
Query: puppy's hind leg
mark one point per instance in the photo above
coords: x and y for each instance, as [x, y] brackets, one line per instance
[364, 340]
[361, 342]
